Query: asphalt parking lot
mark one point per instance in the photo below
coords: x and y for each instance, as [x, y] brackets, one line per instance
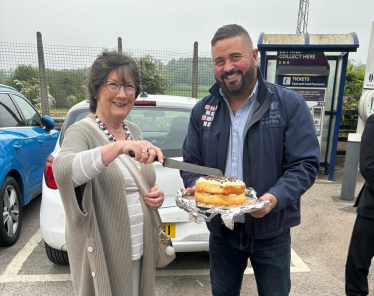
[319, 249]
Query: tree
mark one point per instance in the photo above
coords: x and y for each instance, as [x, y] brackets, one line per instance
[22, 73]
[354, 82]
[4, 75]
[152, 76]
[206, 72]
[180, 71]
[354, 79]
[66, 84]
[31, 90]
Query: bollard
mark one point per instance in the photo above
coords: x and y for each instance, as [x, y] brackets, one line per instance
[350, 167]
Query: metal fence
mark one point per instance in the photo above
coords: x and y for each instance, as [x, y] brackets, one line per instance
[66, 69]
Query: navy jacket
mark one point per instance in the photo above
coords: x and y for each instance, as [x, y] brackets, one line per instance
[365, 200]
[280, 156]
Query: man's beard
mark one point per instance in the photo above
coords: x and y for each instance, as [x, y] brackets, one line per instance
[246, 81]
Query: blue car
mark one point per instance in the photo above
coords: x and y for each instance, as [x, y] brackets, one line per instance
[26, 140]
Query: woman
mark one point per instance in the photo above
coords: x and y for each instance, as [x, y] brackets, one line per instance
[110, 236]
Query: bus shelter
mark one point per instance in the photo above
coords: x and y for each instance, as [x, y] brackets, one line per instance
[315, 66]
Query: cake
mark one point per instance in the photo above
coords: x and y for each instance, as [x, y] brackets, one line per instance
[220, 190]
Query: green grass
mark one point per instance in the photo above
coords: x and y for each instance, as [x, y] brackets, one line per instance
[56, 111]
[185, 90]
[188, 86]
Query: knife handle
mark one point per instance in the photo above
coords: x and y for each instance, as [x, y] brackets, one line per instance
[132, 154]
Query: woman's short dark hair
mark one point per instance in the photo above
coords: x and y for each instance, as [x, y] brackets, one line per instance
[230, 31]
[103, 66]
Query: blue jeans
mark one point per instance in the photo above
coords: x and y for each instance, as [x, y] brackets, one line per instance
[270, 259]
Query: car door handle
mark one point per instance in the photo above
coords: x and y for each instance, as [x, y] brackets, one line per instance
[17, 146]
[40, 142]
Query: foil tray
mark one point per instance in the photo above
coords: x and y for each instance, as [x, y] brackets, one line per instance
[200, 212]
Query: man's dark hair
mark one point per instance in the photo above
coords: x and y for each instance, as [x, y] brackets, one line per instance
[103, 66]
[230, 31]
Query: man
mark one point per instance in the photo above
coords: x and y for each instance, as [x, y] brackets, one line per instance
[262, 134]
[361, 248]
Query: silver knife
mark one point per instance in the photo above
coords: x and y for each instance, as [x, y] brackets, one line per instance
[185, 166]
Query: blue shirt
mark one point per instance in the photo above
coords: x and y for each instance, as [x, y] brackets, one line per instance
[234, 161]
[238, 127]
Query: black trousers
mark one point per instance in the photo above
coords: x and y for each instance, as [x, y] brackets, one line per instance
[360, 253]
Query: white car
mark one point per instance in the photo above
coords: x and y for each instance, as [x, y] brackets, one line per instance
[163, 121]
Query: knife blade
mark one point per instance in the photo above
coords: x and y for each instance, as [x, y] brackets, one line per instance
[189, 167]
[185, 166]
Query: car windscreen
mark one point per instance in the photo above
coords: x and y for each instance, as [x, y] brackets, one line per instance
[163, 127]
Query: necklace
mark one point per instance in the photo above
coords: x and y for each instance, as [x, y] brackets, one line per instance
[109, 135]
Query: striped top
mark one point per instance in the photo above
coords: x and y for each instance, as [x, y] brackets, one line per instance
[87, 165]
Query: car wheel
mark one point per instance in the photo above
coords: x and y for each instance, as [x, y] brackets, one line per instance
[56, 256]
[11, 205]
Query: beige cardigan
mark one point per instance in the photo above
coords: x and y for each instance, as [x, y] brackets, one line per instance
[98, 230]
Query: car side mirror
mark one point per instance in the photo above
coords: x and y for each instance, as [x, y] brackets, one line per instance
[48, 122]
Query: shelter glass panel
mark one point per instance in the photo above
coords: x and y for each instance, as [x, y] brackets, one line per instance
[327, 118]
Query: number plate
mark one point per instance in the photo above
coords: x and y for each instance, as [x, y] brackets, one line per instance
[170, 229]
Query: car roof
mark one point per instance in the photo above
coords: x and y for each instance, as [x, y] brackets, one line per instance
[9, 89]
[161, 101]
[6, 88]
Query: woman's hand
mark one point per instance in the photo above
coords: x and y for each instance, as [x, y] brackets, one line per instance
[145, 152]
[154, 198]
[191, 190]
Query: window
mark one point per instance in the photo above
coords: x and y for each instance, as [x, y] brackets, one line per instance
[31, 115]
[165, 128]
[9, 115]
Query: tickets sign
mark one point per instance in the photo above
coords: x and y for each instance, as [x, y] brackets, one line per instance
[302, 81]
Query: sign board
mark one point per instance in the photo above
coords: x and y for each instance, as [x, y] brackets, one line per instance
[312, 94]
[305, 72]
[301, 59]
[302, 80]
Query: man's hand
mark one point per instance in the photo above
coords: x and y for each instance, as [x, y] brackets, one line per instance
[273, 203]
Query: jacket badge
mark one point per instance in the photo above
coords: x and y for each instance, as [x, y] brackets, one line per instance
[208, 117]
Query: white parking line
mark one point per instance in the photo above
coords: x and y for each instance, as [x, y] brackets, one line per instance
[299, 266]
[11, 273]
[35, 278]
[15, 266]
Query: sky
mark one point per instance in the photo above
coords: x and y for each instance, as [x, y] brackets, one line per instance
[174, 25]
